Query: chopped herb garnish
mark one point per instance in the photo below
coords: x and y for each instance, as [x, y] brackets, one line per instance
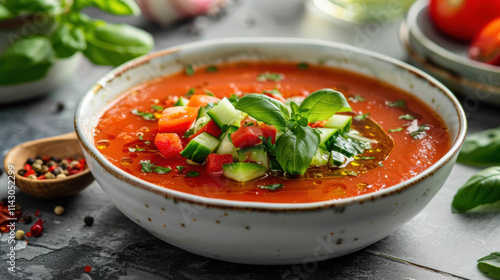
[147, 142]
[189, 93]
[269, 77]
[366, 157]
[212, 69]
[380, 164]
[157, 107]
[362, 117]
[193, 173]
[209, 92]
[189, 133]
[180, 168]
[272, 187]
[351, 173]
[268, 145]
[356, 98]
[249, 124]
[398, 103]
[234, 99]
[272, 91]
[189, 70]
[136, 149]
[147, 166]
[420, 132]
[140, 136]
[407, 117]
[144, 115]
[396, 129]
[302, 65]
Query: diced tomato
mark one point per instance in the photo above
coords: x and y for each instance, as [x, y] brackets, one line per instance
[202, 100]
[177, 119]
[215, 162]
[211, 127]
[248, 120]
[278, 97]
[169, 144]
[171, 100]
[268, 131]
[246, 136]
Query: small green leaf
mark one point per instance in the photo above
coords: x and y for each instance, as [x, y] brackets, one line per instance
[362, 117]
[189, 133]
[296, 148]
[144, 115]
[234, 99]
[180, 168]
[397, 103]
[420, 132]
[136, 149]
[366, 157]
[490, 265]
[209, 93]
[264, 109]
[157, 108]
[115, 7]
[147, 166]
[212, 69]
[481, 148]
[271, 187]
[270, 77]
[302, 66]
[147, 142]
[407, 117]
[67, 40]
[189, 70]
[481, 189]
[396, 129]
[193, 173]
[27, 60]
[189, 93]
[323, 104]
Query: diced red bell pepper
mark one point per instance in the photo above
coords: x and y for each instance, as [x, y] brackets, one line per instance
[278, 97]
[211, 127]
[215, 162]
[246, 136]
[169, 144]
[268, 131]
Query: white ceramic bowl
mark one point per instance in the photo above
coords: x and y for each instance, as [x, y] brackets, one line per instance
[268, 233]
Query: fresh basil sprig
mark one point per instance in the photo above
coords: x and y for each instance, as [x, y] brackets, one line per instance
[482, 148]
[482, 189]
[490, 265]
[296, 147]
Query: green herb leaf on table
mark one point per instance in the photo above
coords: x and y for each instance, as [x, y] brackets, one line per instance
[490, 265]
[67, 40]
[264, 109]
[397, 103]
[147, 166]
[271, 187]
[482, 189]
[157, 108]
[114, 44]
[396, 129]
[481, 148]
[144, 115]
[26, 60]
[270, 77]
[296, 148]
[115, 7]
[407, 117]
[362, 117]
[323, 104]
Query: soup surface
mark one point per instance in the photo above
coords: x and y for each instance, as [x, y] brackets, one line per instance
[410, 136]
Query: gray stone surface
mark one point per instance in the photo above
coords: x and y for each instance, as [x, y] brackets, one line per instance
[435, 245]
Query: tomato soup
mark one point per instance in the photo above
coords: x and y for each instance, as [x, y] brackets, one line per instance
[409, 136]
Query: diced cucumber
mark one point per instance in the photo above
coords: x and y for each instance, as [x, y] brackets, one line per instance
[326, 136]
[226, 146]
[200, 123]
[343, 146]
[239, 118]
[182, 101]
[336, 159]
[223, 113]
[202, 112]
[200, 147]
[320, 158]
[341, 122]
[274, 165]
[243, 171]
[256, 154]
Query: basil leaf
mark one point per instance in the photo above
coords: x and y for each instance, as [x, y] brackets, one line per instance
[115, 7]
[397, 103]
[295, 109]
[114, 44]
[25, 7]
[5, 13]
[482, 148]
[490, 265]
[67, 40]
[323, 104]
[26, 60]
[296, 148]
[264, 109]
[482, 189]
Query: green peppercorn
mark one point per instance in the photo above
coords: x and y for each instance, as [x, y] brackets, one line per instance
[60, 176]
[45, 169]
[32, 176]
[49, 175]
[39, 161]
[88, 221]
[37, 167]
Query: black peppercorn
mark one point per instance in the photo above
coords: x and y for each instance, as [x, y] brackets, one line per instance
[1, 171]
[27, 219]
[55, 159]
[56, 171]
[30, 161]
[88, 220]
[21, 172]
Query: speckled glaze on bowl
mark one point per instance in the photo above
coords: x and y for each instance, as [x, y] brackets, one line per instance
[268, 233]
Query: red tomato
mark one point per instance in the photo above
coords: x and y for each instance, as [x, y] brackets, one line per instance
[177, 119]
[202, 100]
[268, 131]
[486, 45]
[169, 144]
[215, 162]
[462, 19]
[246, 136]
[211, 127]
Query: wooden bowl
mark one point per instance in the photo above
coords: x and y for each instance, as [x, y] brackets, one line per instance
[62, 146]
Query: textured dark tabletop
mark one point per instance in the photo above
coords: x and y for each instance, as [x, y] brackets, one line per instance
[436, 244]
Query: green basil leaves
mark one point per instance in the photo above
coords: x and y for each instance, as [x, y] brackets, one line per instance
[296, 148]
[24, 7]
[115, 7]
[67, 40]
[482, 148]
[323, 104]
[264, 109]
[482, 189]
[490, 265]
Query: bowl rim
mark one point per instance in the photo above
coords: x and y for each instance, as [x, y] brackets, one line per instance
[119, 174]
[431, 46]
